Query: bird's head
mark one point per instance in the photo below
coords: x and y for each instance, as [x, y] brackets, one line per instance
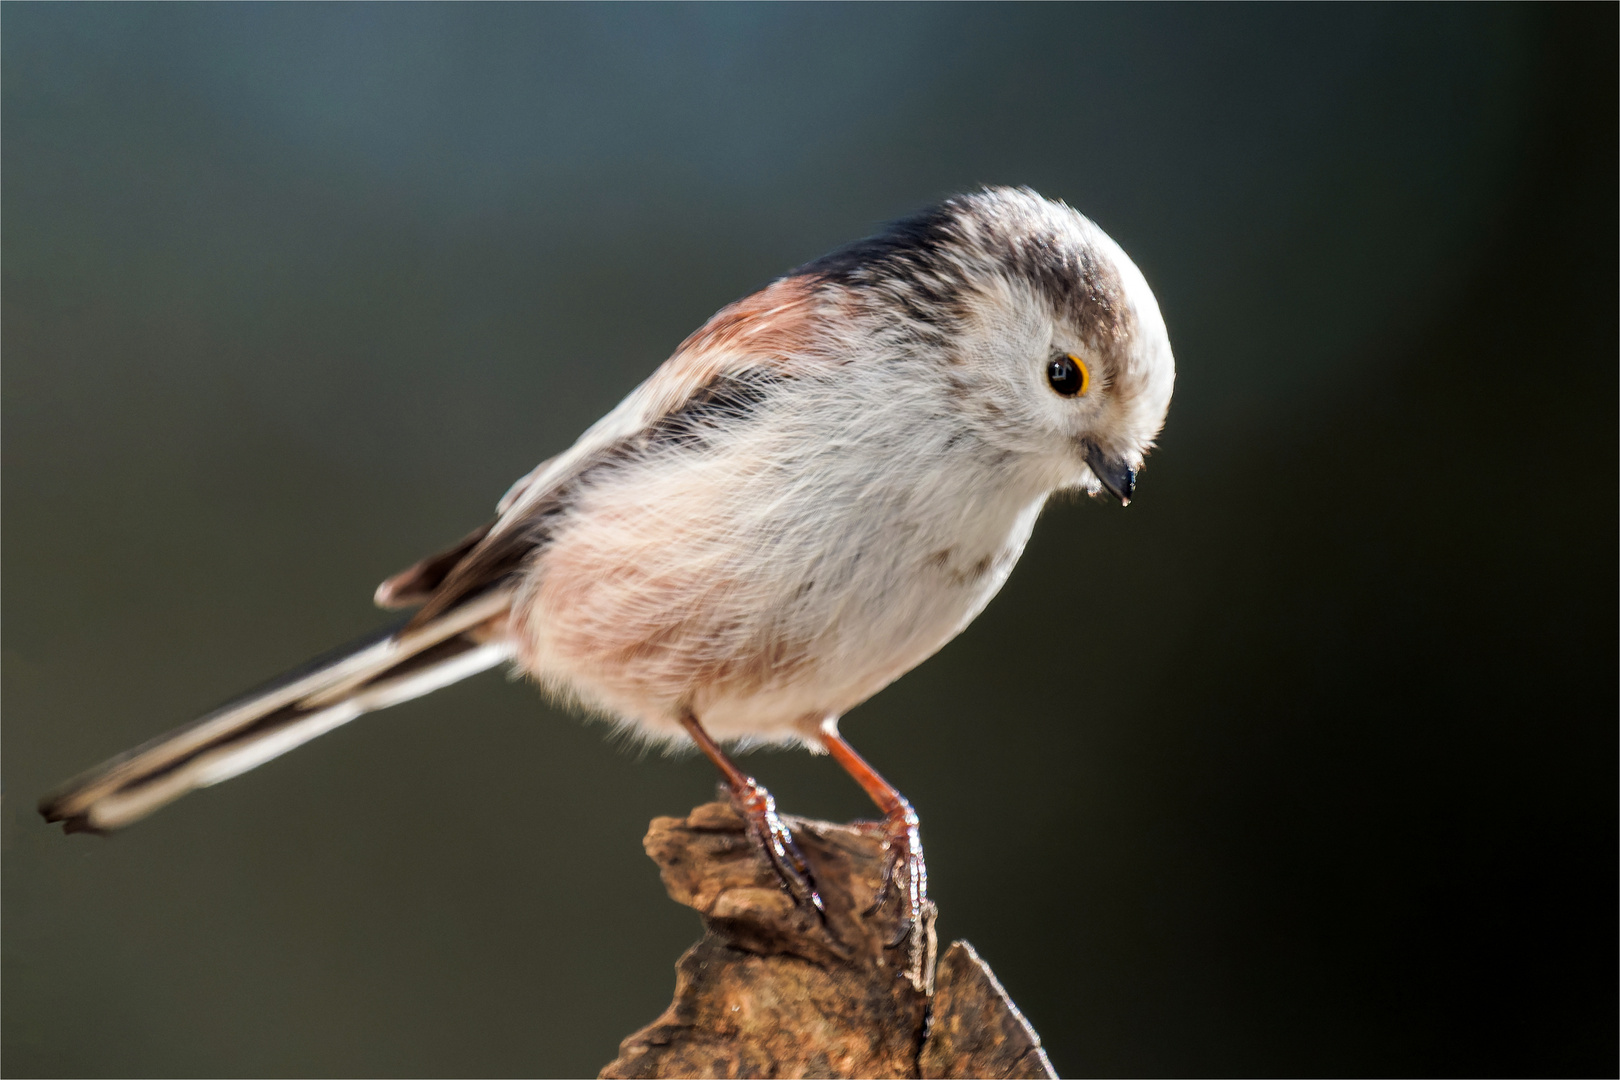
[1040, 330]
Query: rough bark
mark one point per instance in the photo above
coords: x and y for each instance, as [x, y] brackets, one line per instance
[771, 990]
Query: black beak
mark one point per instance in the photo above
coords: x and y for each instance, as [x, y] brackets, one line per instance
[1118, 477]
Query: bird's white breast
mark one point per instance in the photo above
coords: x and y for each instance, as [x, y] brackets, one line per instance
[784, 571]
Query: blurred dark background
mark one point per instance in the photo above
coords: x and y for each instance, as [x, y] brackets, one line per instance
[1303, 764]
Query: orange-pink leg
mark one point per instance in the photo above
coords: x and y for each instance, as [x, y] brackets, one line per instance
[758, 809]
[902, 835]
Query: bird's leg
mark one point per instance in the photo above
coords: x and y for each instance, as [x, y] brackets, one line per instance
[758, 809]
[902, 842]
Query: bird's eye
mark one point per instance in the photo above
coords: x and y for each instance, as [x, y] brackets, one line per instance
[1068, 375]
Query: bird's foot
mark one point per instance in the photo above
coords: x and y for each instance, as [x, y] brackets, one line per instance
[905, 875]
[757, 808]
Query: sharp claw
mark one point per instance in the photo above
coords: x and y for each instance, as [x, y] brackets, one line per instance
[892, 859]
[758, 809]
[902, 842]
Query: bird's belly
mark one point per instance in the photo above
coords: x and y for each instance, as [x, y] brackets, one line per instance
[760, 636]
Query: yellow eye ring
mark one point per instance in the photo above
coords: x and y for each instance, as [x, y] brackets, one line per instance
[1069, 375]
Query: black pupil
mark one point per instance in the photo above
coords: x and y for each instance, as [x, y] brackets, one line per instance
[1064, 375]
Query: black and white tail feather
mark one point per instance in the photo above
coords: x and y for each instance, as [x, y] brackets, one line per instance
[395, 665]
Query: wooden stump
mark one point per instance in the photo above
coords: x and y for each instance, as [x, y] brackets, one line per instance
[771, 990]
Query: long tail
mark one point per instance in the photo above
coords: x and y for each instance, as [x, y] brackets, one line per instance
[384, 669]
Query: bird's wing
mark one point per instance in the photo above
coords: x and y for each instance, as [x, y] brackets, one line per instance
[720, 371]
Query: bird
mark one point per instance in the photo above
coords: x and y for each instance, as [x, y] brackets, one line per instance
[819, 488]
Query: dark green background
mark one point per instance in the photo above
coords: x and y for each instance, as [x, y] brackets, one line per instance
[1303, 764]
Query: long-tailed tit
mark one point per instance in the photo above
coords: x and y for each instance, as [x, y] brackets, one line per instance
[822, 486]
